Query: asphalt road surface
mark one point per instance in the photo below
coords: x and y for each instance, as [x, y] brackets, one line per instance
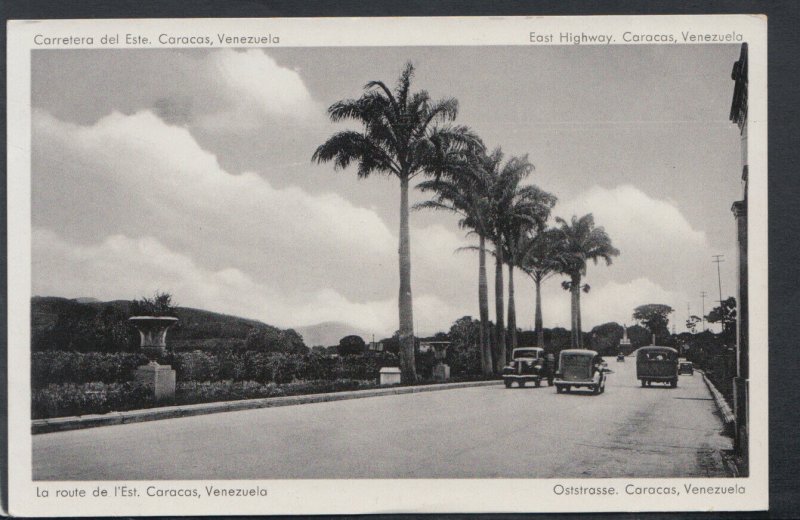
[479, 432]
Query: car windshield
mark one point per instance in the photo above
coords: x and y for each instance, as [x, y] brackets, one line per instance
[524, 354]
[575, 360]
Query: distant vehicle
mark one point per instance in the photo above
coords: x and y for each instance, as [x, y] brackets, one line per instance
[529, 364]
[657, 364]
[686, 367]
[579, 368]
[621, 357]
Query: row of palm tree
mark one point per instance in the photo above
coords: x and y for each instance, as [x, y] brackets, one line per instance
[406, 134]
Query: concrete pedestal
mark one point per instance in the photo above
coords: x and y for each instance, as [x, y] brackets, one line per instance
[160, 379]
[390, 376]
[441, 372]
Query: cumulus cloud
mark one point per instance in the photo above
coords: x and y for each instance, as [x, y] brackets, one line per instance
[253, 85]
[233, 243]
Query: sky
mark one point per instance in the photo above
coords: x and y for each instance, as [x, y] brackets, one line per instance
[189, 171]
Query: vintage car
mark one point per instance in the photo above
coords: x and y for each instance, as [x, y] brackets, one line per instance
[528, 364]
[657, 365]
[686, 367]
[581, 368]
[621, 357]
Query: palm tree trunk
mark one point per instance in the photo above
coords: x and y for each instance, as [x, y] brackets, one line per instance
[499, 329]
[574, 289]
[407, 365]
[512, 310]
[483, 306]
[580, 325]
[538, 322]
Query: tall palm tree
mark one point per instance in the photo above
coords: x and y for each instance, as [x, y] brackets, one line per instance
[401, 133]
[509, 204]
[526, 216]
[463, 189]
[539, 253]
[581, 241]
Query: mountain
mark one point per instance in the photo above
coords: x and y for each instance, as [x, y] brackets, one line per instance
[86, 300]
[329, 333]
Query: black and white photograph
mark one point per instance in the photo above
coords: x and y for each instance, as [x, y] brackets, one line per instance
[253, 261]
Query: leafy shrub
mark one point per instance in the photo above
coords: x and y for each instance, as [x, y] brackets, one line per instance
[89, 398]
[58, 367]
[198, 366]
[206, 392]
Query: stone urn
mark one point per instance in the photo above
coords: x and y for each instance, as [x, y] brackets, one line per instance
[153, 334]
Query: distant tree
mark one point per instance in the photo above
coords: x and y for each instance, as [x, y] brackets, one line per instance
[605, 338]
[351, 345]
[464, 333]
[464, 352]
[639, 336]
[160, 304]
[271, 339]
[725, 314]
[655, 317]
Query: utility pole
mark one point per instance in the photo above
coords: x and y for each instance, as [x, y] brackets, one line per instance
[718, 260]
[688, 312]
[703, 295]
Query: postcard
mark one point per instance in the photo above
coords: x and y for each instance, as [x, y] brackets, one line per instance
[370, 265]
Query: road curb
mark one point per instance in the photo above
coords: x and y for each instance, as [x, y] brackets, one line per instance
[60, 424]
[725, 411]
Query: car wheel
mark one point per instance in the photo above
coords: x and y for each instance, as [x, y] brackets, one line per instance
[521, 383]
[596, 389]
[674, 383]
[550, 381]
[644, 383]
[568, 389]
[538, 383]
[508, 383]
[559, 389]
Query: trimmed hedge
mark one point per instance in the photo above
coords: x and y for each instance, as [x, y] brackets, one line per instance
[209, 392]
[89, 398]
[59, 367]
[97, 398]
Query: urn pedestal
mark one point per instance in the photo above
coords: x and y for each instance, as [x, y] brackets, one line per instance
[441, 372]
[159, 378]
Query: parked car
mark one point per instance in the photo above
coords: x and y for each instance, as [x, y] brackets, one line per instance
[621, 357]
[528, 364]
[579, 368]
[686, 367]
[657, 365]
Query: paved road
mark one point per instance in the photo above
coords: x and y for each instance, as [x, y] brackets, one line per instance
[480, 432]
